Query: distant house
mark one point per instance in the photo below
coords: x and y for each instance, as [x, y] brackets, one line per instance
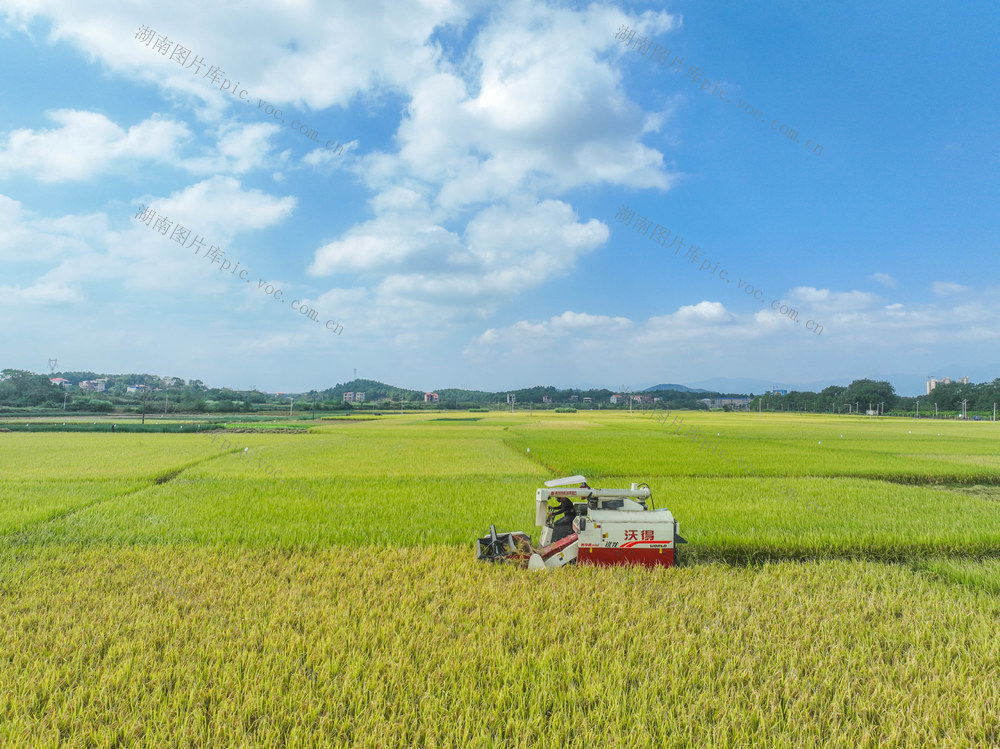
[135, 389]
[359, 397]
[574, 398]
[348, 397]
[511, 398]
[588, 400]
[616, 398]
[94, 386]
[61, 382]
[546, 399]
[731, 402]
[432, 398]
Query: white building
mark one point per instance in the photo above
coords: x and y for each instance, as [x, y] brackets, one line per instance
[933, 383]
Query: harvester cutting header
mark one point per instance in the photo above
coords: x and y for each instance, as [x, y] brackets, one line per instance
[589, 526]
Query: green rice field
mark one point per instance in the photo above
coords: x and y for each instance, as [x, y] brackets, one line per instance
[317, 586]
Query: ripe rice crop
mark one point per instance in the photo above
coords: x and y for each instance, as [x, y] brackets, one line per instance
[157, 590]
[196, 647]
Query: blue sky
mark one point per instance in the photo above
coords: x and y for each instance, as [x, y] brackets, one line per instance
[457, 212]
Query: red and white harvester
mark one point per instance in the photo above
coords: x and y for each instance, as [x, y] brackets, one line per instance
[589, 526]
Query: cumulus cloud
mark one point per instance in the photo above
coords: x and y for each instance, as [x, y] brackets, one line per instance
[303, 57]
[532, 112]
[209, 207]
[532, 106]
[505, 250]
[457, 218]
[87, 144]
[28, 238]
[90, 250]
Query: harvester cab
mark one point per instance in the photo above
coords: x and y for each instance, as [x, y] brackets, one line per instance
[589, 526]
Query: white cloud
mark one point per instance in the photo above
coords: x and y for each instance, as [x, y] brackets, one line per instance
[89, 253]
[41, 293]
[87, 144]
[211, 206]
[238, 150]
[308, 53]
[26, 238]
[506, 250]
[827, 301]
[533, 104]
[946, 288]
[569, 330]
[885, 279]
[534, 112]
[527, 112]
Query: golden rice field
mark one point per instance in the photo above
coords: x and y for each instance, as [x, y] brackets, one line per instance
[319, 588]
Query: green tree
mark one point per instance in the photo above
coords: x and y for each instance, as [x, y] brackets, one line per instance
[21, 388]
[870, 393]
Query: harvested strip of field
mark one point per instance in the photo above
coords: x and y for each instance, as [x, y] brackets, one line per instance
[178, 646]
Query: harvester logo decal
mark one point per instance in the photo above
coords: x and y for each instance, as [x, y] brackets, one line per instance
[633, 535]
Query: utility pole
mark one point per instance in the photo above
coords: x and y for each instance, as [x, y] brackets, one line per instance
[290, 402]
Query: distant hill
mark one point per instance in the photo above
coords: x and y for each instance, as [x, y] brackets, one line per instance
[681, 388]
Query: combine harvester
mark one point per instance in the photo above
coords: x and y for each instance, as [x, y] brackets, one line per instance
[589, 526]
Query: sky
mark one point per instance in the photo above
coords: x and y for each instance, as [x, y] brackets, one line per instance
[499, 195]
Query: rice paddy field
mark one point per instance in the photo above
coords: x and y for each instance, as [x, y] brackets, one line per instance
[317, 586]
